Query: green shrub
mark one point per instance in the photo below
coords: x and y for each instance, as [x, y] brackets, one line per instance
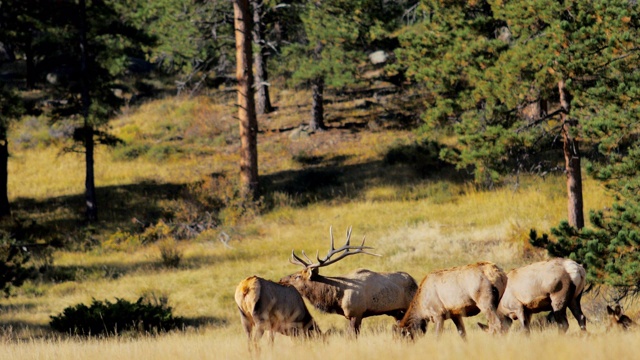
[13, 269]
[423, 155]
[162, 152]
[130, 151]
[104, 318]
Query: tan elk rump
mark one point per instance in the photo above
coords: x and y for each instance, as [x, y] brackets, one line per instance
[357, 295]
[455, 293]
[268, 306]
[550, 285]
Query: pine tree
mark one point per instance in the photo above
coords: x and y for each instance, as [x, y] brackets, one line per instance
[485, 65]
[10, 110]
[194, 39]
[96, 44]
[246, 102]
[337, 35]
[263, 100]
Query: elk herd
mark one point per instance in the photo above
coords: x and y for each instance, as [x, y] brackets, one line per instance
[452, 293]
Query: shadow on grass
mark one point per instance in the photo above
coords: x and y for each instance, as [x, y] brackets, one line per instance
[60, 220]
[7, 308]
[15, 329]
[204, 321]
[327, 179]
[22, 330]
[62, 273]
[130, 208]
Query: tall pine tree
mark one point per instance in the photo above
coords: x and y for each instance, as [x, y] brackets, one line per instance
[93, 41]
[513, 76]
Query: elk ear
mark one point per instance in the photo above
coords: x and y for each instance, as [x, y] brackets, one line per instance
[610, 310]
[308, 273]
[617, 310]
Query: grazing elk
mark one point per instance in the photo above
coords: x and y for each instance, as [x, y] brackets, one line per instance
[272, 307]
[551, 285]
[618, 320]
[357, 295]
[455, 293]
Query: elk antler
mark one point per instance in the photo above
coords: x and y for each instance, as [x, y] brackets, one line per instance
[346, 250]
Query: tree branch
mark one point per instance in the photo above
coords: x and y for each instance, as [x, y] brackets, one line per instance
[541, 120]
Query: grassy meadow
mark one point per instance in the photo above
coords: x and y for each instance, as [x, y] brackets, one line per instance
[419, 218]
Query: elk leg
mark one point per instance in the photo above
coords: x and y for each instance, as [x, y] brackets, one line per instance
[576, 310]
[258, 334]
[489, 309]
[424, 323]
[457, 320]
[246, 324]
[525, 319]
[438, 322]
[561, 319]
[495, 324]
[355, 322]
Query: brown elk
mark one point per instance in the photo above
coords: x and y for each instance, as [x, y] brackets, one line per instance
[269, 306]
[551, 285]
[455, 293]
[619, 320]
[357, 295]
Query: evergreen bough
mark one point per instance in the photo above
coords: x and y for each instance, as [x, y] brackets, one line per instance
[610, 250]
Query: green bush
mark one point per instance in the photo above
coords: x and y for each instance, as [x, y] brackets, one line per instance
[162, 152]
[13, 269]
[422, 155]
[104, 318]
[128, 152]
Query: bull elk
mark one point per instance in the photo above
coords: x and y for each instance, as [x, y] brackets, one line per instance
[455, 293]
[269, 306]
[357, 295]
[551, 285]
[619, 320]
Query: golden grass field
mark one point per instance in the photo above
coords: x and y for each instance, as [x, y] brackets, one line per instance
[226, 345]
[416, 224]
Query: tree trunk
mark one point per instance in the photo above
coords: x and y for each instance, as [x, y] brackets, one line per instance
[246, 102]
[31, 66]
[90, 187]
[572, 162]
[263, 101]
[5, 209]
[317, 109]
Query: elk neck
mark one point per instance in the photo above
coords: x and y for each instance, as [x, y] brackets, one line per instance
[325, 293]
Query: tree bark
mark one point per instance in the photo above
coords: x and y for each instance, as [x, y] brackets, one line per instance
[31, 66]
[246, 102]
[317, 108]
[572, 162]
[263, 100]
[5, 208]
[90, 187]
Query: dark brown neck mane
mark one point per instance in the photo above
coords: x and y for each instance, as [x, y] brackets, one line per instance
[324, 293]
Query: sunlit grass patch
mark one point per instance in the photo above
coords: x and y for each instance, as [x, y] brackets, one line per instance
[227, 344]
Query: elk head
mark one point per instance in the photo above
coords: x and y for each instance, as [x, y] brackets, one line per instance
[310, 268]
[618, 320]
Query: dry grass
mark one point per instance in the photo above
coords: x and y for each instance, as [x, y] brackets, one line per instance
[371, 345]
[418, 223]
